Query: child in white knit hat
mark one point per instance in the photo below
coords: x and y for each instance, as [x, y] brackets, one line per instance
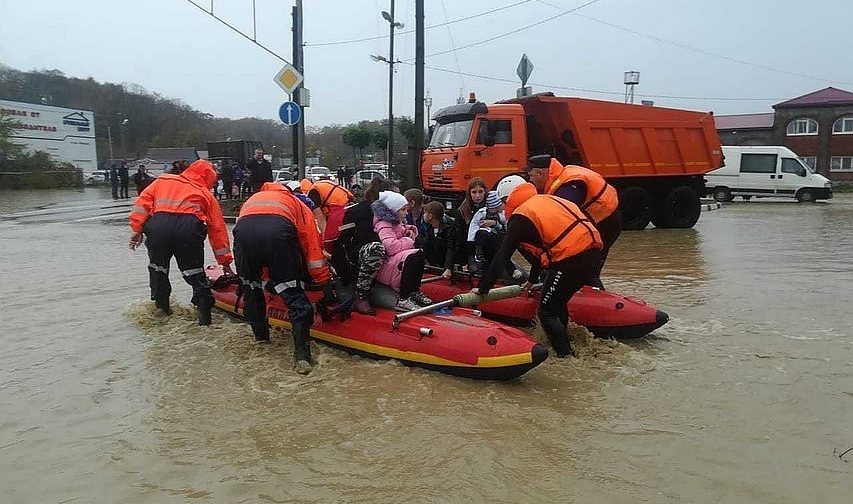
[404, 267]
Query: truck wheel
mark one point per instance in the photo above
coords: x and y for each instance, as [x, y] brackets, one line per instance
[806, 196]
[679, 209]
[723, 194]
[637, 208]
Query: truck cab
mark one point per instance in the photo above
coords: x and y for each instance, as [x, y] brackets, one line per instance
[473, 140]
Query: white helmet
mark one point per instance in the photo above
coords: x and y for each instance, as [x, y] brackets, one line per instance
[506, 185]
[293, 185]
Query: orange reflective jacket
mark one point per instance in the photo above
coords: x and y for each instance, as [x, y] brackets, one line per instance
[305, 185]
[601, 197]
[187, 193]
[564, 230]
[331, 195]
[275, 199]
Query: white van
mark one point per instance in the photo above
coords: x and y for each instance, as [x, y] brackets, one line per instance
[753, 171]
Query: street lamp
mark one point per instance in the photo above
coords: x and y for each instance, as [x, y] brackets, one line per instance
[390, 61]
[428, 104]
[124, 123]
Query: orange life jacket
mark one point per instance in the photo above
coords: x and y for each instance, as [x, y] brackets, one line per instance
[187, 193]
[305, 185]
[331, 195]
[601, 197]
[565, 231]
[275, 199]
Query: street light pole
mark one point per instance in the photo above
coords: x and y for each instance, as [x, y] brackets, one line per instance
[390, 149]
[110, 137]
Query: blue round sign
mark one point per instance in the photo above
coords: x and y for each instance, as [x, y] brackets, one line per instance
[290, 113]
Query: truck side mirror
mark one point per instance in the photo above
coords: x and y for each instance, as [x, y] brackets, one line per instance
[489, 141]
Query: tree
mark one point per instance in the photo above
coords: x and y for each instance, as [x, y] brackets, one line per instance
[7, 129]
[357, 137]
[380, 140]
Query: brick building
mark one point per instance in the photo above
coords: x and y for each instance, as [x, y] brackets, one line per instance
[817, 126]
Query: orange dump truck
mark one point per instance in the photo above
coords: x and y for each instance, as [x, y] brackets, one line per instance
[655, 157]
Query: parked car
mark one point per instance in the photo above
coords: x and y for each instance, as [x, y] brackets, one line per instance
[753, 171]
[317, 173]
[96, 177]
[362, 178]
[282, 176]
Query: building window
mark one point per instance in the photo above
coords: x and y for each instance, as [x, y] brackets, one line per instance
[841, 164]
[843, 126]
[802, 126]
[811, 161]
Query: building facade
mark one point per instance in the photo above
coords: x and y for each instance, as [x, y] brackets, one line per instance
[67, 135]
[817, 126]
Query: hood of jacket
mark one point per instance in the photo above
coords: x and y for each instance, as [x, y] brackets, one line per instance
[201, 172]
[383, 213]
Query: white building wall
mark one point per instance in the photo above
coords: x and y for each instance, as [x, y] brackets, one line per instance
[68, 135]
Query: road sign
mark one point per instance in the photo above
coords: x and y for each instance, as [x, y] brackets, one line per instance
[290, 113]
[524, 91]
[525, 68]
[288, 78]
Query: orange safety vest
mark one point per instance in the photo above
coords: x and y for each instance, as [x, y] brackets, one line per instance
[331, 194]
[275, 199]
[601, 197]
[305, 185]
[564, 229]
[187, 193]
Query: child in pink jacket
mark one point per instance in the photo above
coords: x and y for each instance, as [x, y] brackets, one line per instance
[404, 268]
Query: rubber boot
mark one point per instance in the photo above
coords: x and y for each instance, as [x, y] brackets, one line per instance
[204, 306]
[302, 360]
[558, 336]
[261, 330]
[162, 303]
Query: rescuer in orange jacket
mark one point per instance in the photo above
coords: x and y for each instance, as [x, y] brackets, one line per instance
[277, 231]
[586, 189]
[553, 234]
[328, 196]
[175, 213]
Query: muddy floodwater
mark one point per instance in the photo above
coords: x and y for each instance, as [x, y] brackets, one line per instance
[746, 395]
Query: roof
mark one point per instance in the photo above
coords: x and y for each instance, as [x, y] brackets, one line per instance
[171, 154]
[744, 121]
[827, 97]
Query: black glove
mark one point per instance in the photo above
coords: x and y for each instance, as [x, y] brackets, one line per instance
[330, 296]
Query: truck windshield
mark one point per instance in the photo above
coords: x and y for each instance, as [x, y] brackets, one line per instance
[452, 134]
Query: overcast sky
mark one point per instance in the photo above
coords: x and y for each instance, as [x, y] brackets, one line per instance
[173, 48]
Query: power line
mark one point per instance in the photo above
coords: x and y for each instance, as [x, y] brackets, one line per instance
[406, 32]
[594, 91]
[697, 49]
[250, 39]
[452, 43]
[517, 30]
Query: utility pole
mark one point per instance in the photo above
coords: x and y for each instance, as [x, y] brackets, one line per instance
[413, 173]
[390, 150]
[110, 137]
[298, 63]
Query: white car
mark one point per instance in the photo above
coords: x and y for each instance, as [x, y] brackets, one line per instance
[362, 178]
[282, 176]
[317, 173]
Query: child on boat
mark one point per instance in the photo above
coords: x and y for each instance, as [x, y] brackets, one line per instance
[404, 266]
[439, 241]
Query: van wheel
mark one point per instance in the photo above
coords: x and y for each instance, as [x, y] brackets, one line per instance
[746, 198]
[637, 208]
[723, 194]
[679, 209]
[806, 196]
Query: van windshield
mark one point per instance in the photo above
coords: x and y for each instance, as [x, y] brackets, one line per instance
[452, 134]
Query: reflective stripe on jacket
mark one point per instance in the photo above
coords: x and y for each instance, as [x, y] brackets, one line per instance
[565, 231]
[187, 193]
[275, 199]
[601, 197]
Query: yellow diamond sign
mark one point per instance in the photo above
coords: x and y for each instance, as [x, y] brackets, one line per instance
[288, 78]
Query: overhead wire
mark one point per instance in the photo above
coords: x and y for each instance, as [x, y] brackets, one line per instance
[696, 49]
[237, 30]
[593, 91]
[452, 44]
[406, 32]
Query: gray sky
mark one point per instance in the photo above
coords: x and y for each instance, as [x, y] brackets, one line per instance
[171, 47]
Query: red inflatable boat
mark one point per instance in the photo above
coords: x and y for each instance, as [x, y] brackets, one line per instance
[606, 314]
[458, 343]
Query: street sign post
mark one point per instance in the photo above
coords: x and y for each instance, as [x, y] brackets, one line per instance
[288, 79]
[525, 68]
[290, 113]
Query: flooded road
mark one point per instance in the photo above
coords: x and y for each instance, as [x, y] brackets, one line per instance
[743, 397]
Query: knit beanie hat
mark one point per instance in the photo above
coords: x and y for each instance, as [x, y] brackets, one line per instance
[393, 200]
[492, 200]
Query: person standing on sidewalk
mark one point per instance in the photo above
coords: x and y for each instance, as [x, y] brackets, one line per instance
[260, 170]
[124, 180]
[114, 180]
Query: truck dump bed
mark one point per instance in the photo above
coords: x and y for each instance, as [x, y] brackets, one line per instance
[620, 140]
